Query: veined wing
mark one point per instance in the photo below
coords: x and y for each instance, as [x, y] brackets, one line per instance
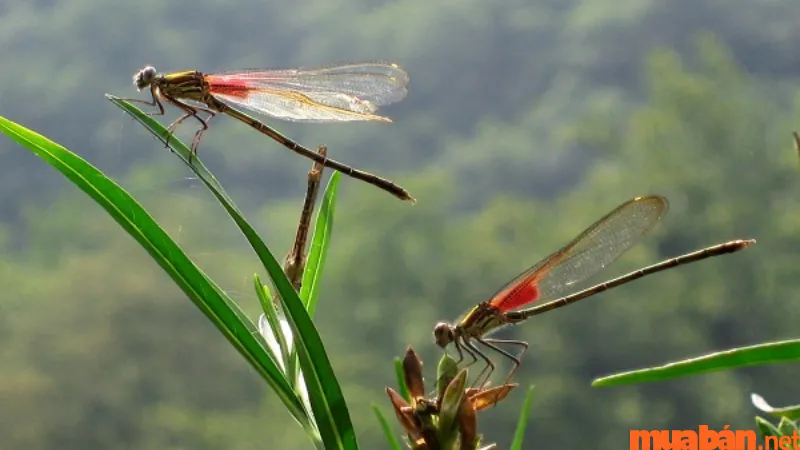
[379, 83]
[329, 94]
[299, 107]
[595, 248]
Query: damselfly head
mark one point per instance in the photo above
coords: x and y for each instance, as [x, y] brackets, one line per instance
[144, 77]
[444, 334]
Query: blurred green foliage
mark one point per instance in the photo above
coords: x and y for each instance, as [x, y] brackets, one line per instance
[526, 121]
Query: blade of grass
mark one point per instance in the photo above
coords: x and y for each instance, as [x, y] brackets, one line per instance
[180, 149]
[756, 355]
[387, 429]
[329, 408]
[211, 300]
[318, 250]
[767, 429]
[271, 314]
[325, 394]
[320, 242]
[522, 423]
[787, 427]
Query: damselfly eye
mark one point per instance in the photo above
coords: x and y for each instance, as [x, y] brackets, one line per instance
[144, 77]
[443, 334]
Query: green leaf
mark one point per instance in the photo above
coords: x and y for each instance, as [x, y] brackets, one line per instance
[330, 410]
[522, 423]
[207, 296]
[318, 249]
[255, 241]
[271, 314]
[394, 444]
[446, 370]
[180, 149]
[325, 394]
[787, 427]
[767, 429]
[450, 409]
[756, 355]
[790, 412]
[402, 386]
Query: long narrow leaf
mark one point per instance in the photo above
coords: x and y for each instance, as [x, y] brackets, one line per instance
[318, 249]
[756, 355]
[522, 423]
[394, 444]
[330, 411]
[211, 300]
[327, 400]
[180, 149]
[272, 318]
[767, 429]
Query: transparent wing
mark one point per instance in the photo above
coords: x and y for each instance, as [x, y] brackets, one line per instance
[297, 107]
[595, 248]
[379, 83]
[328, 94]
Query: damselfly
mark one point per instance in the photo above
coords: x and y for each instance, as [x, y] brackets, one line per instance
[343, 93]
[595, 248]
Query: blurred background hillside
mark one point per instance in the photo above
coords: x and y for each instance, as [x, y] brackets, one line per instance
[525, 122]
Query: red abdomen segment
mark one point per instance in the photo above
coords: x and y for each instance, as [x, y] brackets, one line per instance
[231, 87]
[517, 296]
[599, 245]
